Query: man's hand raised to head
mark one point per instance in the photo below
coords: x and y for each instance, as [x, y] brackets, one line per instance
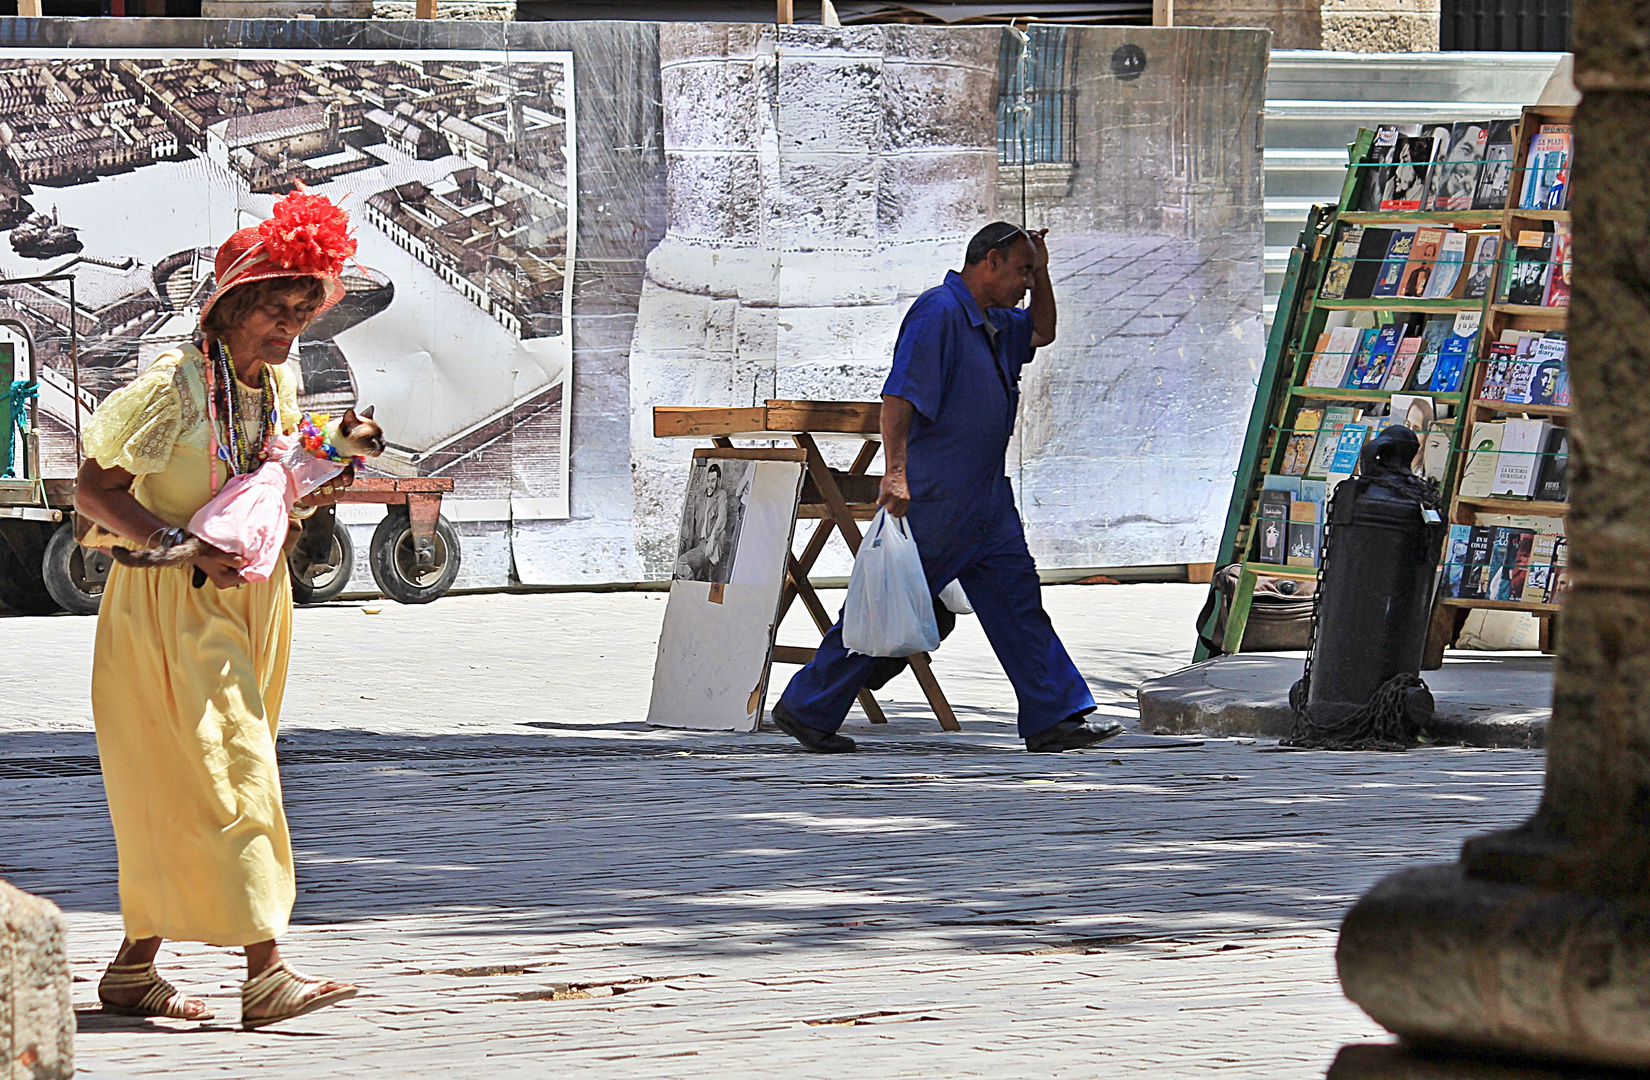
[1043, 314]
[1039, 245]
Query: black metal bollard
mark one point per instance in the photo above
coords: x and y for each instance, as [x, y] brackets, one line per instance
[1362, 685]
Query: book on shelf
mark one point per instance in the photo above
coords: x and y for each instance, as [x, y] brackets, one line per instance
[1271, 526]
[1303, 541]
[1297, 452]
[1455, 559]
[1547, 169]
[1455, 178]
[1558, 278]
[1495, 178]
[1376, 168]
[1553, 479]
[1453, 356]
[1435, 451]
[1434, 332]
[1404, 181]
[1342, 263]
[1518, 461]
[1551, 383]
[1403, 362]
[1483, 448]
[1545, 552]
[1475, 574]
[1370, 368]
[1335, 417]
[1333, 359]
[1529, 266]
[1371, 257]
[1497, 370]
[1446, 274]
[1349, 445]
[1509, 561]
[1482, 253]
[1422, 264]
[1392, 268]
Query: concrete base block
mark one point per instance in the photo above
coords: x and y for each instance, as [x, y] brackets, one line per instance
[1481, 699]
[1384, 1061]
[37, 1022]
[1439, 958]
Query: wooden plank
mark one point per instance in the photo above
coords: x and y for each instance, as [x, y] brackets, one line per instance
[819, 511]
[1515, 407]
[1200, 573]
[28, 9]
[693, 422]
[1472, 219]
[841, 417]
[1499, 605]
[793, 654]
[1514, 506]
[1266, 569]
[1394, 303]
[1237, 620]
[401, 484]
[931, 689]
[424, 9]
[1532, 311]
[1331, 393]
[778, 453]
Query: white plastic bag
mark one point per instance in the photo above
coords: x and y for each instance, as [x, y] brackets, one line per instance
[889, 611]
[955, 600]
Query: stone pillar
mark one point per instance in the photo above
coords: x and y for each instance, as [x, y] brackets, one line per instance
[37, 1022]
[1343, 25]
[1537, 942]
[817, 179]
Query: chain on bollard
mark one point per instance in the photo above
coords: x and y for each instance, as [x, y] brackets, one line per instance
[1397, 556]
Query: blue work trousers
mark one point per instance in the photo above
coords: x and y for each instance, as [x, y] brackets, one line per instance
[984, 548]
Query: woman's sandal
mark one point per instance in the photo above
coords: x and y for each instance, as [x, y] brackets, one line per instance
[160, 998]
[286, 994]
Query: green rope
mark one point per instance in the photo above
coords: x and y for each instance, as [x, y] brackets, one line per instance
[21, 391]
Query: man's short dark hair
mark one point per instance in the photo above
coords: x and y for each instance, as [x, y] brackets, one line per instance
[715, 468]
[997, 236]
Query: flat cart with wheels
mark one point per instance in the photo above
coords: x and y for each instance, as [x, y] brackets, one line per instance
[414, 555]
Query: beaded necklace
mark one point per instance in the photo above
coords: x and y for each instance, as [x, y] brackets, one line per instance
[233, 449]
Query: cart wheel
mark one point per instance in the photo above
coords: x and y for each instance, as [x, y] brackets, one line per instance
[316, 583]
[75, 575]
[394, 562]
[21, 587]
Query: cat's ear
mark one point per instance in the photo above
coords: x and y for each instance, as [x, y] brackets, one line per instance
[348, 421]
[366, 413]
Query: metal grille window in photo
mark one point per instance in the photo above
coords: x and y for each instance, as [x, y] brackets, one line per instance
[1504, 25]
[1036, 106]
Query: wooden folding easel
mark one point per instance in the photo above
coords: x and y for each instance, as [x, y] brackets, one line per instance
[839, 500]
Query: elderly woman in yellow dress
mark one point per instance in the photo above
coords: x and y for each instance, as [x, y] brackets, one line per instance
[188, 676]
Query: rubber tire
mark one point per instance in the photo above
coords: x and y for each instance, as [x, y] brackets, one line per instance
[302, 593]
[63, 569]
[21, 587]
[394, 532]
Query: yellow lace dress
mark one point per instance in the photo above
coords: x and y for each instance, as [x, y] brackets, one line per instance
[187, 686]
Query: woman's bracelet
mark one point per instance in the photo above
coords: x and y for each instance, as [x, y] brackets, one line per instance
[168, 537]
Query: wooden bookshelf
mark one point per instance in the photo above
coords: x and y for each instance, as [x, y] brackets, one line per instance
[1450, 612]
[1281, 391]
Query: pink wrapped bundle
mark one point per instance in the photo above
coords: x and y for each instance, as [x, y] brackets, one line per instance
[248, 516]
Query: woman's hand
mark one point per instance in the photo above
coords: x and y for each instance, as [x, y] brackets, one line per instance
[328, 492]
[222, 567]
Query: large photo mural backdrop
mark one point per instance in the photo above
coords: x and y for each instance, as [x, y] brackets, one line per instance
[564, 224]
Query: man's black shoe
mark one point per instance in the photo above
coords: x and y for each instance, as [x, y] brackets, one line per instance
[1072, 734]
[820, 742]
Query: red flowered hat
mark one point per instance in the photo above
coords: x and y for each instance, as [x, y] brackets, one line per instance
[307, 236]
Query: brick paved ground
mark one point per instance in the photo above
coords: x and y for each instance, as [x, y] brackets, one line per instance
[527, 880]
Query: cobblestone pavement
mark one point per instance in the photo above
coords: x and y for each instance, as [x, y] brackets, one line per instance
[528, 882]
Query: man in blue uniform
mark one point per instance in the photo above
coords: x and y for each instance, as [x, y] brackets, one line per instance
[947, 413]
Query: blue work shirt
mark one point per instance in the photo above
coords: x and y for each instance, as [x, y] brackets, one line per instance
[960, 370]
